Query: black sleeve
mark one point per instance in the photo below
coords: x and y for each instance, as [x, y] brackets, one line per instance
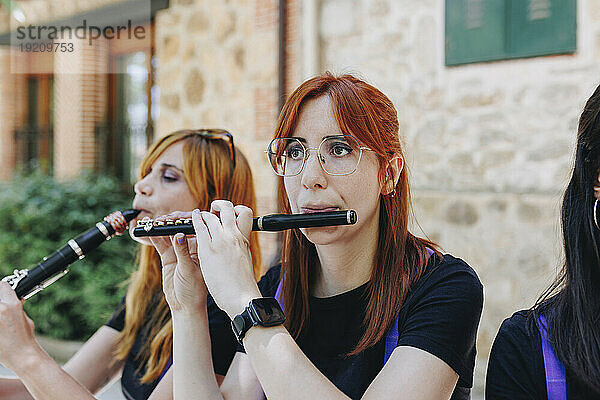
[117, 321]
[269, 281]
[222, 340]
[443, 314]
[515, 367]
[267, 286]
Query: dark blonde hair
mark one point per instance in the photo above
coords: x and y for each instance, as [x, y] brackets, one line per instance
[207, 171]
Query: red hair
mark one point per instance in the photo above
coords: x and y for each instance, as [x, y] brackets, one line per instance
[366, 113]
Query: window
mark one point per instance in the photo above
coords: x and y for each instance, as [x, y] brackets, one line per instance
[486, 30]
[132, 109]
[33, 139]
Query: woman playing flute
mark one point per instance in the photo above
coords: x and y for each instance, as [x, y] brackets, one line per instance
[371, 310]
[182, 171]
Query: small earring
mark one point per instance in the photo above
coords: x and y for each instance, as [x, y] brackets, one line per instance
[595, 209]
[393, 193]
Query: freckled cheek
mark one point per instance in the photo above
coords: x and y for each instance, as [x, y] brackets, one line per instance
[291, 188]
[360, 191]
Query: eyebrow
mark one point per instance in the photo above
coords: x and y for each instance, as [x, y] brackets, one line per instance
[303, 140]
[171, 166]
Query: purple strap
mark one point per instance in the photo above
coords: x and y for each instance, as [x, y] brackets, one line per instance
[391, 340]
[391, 337]
[169, 363]
[556, 382]
[278, 295]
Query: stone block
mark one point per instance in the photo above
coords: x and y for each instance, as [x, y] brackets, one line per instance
[170, 48]
[379, 8]
[501, 290]
[171, 101]
[426, 46]
[224, 25]
[198, 22]
[462, 213]
[550, 151]
[194, 87]
[338, 18]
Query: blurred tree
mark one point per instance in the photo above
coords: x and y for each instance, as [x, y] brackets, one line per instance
[39, 215]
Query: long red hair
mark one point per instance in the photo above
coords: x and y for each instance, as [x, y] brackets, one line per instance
[366, 113]
[207, 171]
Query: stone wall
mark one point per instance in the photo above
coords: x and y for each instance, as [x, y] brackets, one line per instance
[489, 145]
[218, 68]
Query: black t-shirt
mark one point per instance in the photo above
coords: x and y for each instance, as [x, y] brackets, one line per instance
[516, 364]
[440, 316]
[222, 340]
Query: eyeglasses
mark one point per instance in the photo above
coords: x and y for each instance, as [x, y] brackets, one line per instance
[220, 134]
[338, 155]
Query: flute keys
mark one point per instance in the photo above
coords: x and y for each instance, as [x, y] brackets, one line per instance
[145, 223]
[170, 226]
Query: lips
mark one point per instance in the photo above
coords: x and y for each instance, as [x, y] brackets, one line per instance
[317, 209]
[143, 212]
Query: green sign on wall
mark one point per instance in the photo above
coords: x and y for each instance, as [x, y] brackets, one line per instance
[487, 30]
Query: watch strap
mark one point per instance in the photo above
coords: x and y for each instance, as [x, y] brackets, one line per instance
[241, 323]
[268, 307]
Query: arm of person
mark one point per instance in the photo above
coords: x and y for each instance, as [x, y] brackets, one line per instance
[164, 389]
[193, 372]
[94, 365]
[13, 389]
[44, 379]
[40, 376]
[416, 374]
[282, 368]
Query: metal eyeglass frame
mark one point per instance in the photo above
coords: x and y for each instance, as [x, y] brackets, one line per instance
[318, 149]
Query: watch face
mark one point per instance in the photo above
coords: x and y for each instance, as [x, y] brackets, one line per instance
[268, 311]
[238, 324]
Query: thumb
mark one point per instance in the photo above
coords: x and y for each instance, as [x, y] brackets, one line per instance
[7, 294]
[182, 252]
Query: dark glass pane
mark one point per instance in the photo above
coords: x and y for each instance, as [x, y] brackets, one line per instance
[540, 27]
[475, 31]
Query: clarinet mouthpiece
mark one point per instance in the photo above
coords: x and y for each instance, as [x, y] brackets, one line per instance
[130, 214]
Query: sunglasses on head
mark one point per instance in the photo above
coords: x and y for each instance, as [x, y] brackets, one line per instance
[220, 134]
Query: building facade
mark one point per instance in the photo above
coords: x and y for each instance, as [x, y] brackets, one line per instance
[489, 133]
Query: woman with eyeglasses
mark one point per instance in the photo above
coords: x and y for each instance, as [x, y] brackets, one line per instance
[552, 350]
[359, 311]
[182, 171]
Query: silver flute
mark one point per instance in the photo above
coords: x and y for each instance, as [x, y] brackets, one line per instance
[272, 223]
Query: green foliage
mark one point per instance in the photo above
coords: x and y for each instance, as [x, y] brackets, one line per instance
[39, 216]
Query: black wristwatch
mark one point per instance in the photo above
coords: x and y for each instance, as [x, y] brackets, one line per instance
[264, 311]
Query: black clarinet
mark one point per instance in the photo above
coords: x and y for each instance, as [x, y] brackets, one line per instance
[272, 223]
[26, 282]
